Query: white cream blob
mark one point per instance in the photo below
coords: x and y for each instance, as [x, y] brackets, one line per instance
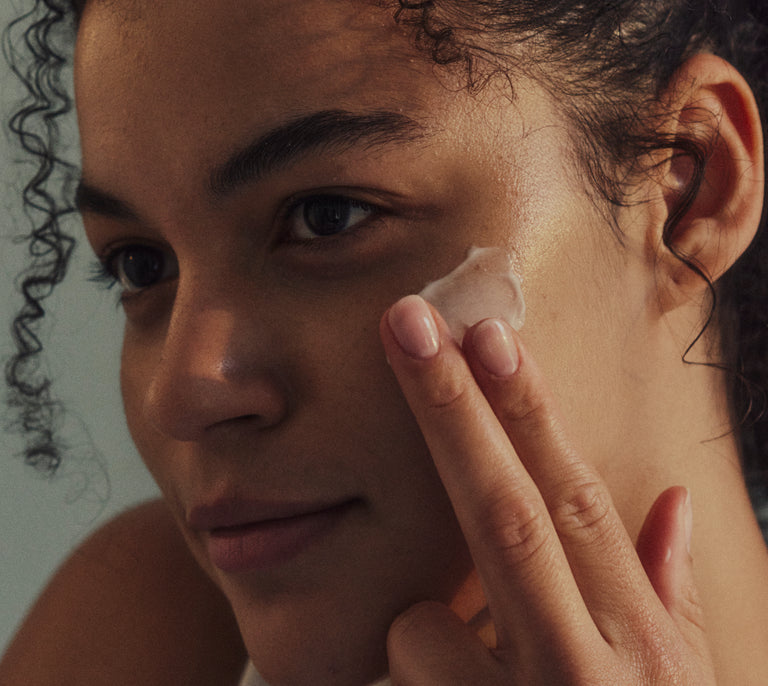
[482, 286]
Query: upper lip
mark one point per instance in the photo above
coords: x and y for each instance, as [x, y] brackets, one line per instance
[231, 512]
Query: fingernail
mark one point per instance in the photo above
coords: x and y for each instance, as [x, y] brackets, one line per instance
[688, 521]
[495, 348]
[414, 328]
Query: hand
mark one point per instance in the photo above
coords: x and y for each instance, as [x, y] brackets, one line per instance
[571, 600]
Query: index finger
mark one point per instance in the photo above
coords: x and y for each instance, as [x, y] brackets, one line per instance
[521, 563]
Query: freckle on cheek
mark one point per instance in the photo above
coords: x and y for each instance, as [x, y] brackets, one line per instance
[483, 286]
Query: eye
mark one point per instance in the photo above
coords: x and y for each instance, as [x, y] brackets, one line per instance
[326, 215]
[137, 267]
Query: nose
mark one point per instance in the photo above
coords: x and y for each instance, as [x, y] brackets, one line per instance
[216, 367]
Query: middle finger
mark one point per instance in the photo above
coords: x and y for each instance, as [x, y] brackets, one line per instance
[599, 550]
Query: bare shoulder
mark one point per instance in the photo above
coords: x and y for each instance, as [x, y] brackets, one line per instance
[129, 606]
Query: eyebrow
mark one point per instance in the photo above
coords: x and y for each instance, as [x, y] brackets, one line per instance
[326, 130]
[92, 200]
[329, 129]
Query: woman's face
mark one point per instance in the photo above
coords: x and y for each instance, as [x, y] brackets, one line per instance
[273, 175]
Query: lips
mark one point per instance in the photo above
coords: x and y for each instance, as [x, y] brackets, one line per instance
[244, 536]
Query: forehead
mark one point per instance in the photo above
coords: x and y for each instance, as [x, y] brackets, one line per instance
[219, 69]
[190, 40]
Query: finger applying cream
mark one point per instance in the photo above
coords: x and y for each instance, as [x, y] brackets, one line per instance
[484, 285]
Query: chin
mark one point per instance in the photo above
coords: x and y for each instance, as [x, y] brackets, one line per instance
[290, 648]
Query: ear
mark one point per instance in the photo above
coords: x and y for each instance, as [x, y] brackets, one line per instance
[714, 106]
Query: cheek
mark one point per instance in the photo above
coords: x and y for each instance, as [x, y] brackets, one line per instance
[350, 399]
[586, 298]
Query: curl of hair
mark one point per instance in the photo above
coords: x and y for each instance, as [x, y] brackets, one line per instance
[38, 63]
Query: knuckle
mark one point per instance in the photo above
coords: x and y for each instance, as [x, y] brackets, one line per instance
[532, 411]
[446, 391]
[660, 656]
[668, 666]
[527, 403]
[689, 609]
[582, 512]
[514, 527]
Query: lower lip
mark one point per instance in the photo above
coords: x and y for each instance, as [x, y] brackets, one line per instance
[262, 545]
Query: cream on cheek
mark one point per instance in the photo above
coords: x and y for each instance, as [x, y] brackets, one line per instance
[484, 285]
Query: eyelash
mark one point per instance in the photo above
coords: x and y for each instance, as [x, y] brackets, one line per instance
[101, 274]
[104, 274]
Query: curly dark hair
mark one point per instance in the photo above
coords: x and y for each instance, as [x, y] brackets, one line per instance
[607, 61]
[38, 61]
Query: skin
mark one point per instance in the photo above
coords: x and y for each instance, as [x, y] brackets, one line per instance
[256, 369]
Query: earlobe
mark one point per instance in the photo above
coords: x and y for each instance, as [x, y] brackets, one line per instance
[715, 109]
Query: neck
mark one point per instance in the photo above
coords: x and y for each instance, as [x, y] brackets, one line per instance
[679, 431]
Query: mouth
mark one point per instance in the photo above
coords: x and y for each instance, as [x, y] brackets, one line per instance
[271, 536]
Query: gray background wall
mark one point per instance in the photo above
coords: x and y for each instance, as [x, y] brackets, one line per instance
[41, 519]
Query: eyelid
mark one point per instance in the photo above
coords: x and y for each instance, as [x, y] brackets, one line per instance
[111, 249]
[378, 200]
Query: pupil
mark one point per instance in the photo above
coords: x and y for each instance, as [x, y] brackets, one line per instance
[141, 267]
[327, 217]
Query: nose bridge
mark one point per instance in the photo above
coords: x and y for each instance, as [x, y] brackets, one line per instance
[216, 363]
[201, 340]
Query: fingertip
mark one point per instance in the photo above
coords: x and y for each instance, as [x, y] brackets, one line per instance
[413, 327]
[660, 528]
[417, 329]
[512, 381]
[496, 347]
[688, 520]
[683, 522]
[664, 543]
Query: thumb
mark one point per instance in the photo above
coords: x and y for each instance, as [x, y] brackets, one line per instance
[429, 645]
[664, 548]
